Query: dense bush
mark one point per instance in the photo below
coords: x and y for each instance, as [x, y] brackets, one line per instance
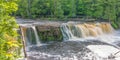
[8, 35]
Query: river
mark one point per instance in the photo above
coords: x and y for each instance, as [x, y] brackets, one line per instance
[81, 41]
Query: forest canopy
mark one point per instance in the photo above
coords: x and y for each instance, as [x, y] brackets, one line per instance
[98, 9]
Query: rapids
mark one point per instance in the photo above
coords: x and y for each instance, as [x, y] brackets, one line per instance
[81, 41]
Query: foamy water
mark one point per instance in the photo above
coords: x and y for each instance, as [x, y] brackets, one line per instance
[78, 33]
[103, 50]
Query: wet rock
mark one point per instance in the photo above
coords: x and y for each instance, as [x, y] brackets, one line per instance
[49, 32]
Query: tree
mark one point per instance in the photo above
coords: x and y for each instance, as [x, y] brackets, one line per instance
[80, 7]
[23, 9]
[117, 9]
[97, 9]
[8, 33]
[109, 9]
[72, 8]
[58, 11]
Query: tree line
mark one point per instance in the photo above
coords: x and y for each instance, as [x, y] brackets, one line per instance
[98, 9]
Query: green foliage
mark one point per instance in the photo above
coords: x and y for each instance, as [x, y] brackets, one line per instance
[23, 11]
[49, 34]
[8, 33]
[103, 9]
[114, 25]
[58, 12]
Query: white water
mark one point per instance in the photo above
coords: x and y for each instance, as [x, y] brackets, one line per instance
[67, 34]
[100, 50]
[82, 33]
[111, 39]
[36, 35]
[45, 56]
[26, 26]
[103, 50]
[106, 34]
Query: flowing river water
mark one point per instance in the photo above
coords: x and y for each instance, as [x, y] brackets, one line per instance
[81, 41]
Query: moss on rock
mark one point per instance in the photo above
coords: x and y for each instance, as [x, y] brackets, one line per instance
[49, 33]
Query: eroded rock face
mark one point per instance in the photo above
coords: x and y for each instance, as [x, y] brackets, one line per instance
[49, 32]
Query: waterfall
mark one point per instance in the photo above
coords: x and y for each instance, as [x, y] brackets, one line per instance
[70, 31]
[67, 34]
[89, 49]
[36, 35]
[30, 34]
[85, 30]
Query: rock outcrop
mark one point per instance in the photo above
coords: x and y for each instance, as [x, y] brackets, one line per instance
[49, 32]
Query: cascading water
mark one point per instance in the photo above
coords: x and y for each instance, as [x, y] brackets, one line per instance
[93, 30]
[85, 41]
[36, 35]
[99, 31]
[66, 32]
[30, 34]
